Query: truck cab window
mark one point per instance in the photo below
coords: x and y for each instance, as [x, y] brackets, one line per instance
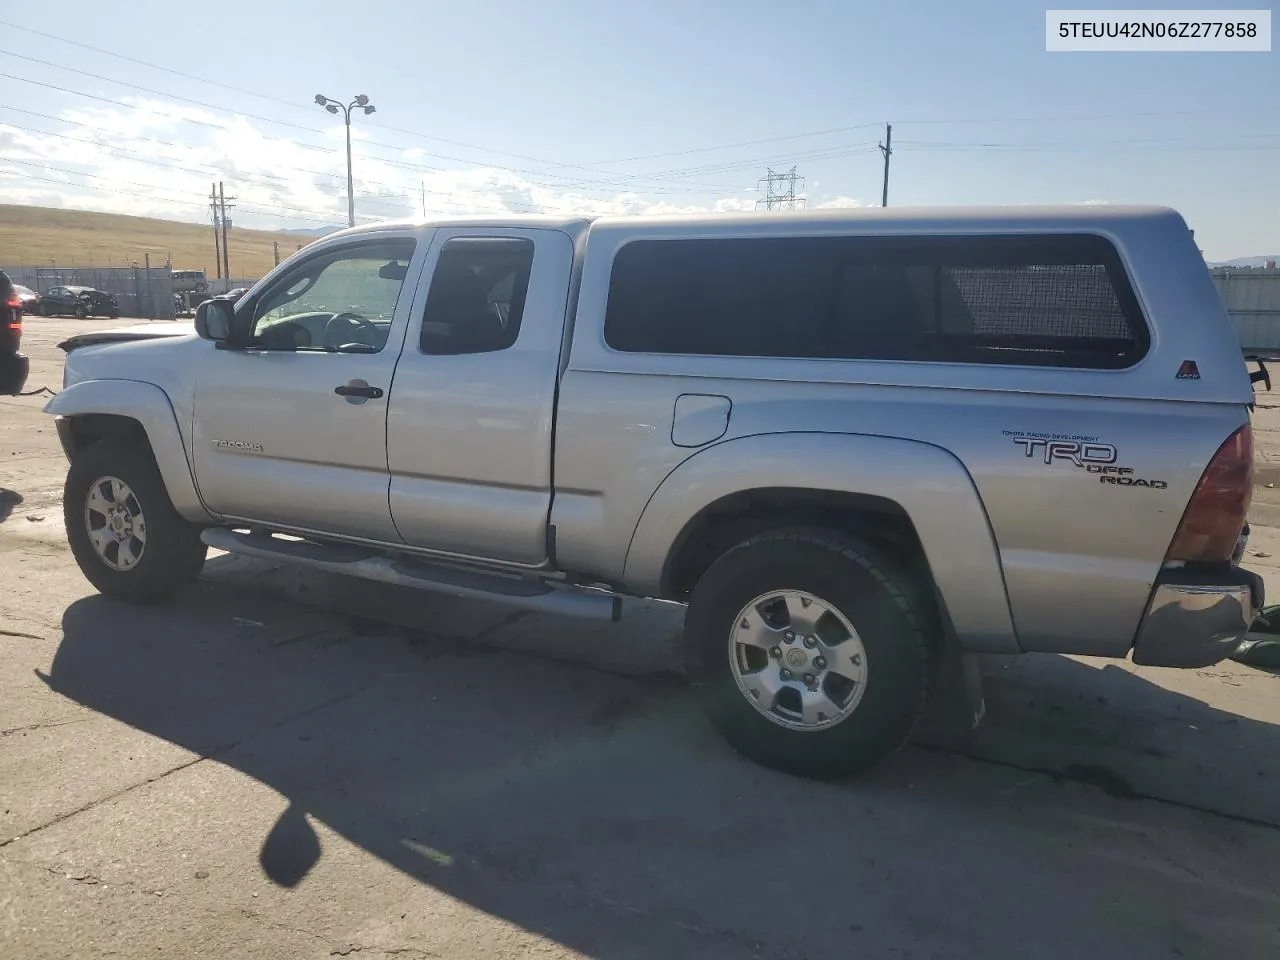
[477, 295]
[342, 301]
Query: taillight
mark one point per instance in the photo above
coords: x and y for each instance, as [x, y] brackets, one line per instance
[1217, 511]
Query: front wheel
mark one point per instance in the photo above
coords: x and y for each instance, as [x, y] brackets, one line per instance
[81, 311]
[812, 652]
[124, 532]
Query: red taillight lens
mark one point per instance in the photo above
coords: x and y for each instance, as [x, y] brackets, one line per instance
[1218, 508]
[14, 302]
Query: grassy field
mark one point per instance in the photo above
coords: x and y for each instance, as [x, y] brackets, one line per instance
[37, 236]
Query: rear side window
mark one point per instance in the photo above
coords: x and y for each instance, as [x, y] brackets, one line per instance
[476, 299]
[1045, 300]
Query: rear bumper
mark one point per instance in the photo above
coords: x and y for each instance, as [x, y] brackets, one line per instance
[14, 368]
[1196, 619]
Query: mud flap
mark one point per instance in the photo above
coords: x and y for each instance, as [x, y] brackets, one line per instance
[957, 705]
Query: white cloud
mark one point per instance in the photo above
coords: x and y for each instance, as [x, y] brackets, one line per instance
[842, 202]
[159, 160]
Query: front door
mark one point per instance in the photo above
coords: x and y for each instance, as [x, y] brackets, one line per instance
[292, 430]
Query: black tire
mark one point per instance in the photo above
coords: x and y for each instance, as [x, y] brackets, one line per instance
[46, 310]
[81, 311]
[892, 615]
[173, 554]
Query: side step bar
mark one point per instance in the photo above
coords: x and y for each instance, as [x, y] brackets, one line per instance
[470, 584]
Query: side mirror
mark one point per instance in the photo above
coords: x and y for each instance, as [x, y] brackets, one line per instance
[214, 320]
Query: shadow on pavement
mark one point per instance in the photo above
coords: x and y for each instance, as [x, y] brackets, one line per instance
[8, 500]
[601, 812]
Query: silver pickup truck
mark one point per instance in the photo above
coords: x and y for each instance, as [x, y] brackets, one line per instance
[854, 443]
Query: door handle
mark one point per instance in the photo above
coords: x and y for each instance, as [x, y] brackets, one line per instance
[358, 390]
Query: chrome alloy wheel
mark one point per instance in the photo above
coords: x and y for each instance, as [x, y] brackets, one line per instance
[798, 660]
[113, 518]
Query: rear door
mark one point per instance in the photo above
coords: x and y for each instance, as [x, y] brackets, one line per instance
[469, 429]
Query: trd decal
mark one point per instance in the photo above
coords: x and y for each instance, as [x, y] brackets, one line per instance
[1078, 452]
[1086, 453]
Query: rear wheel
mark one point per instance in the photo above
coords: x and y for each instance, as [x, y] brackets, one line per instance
[812, 651]
[124, 532]
[81, 311]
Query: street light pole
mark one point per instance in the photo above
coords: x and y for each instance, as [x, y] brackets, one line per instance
[336, 106]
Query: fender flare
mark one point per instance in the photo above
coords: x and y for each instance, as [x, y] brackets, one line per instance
[929, 483]
[149, 406]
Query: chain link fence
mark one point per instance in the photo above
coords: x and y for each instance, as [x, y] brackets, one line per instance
[140, 291]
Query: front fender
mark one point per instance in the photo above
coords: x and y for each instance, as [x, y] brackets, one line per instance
[929, 483]
[149, 406]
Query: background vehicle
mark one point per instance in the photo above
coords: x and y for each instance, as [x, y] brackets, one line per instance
[14, 366]
[858, 445]
[189, 281]
[76, 301]
[29, 299]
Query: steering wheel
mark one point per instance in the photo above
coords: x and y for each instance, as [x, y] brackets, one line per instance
[344, 321]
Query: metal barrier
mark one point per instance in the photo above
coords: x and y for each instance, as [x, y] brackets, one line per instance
[1252, 299]
[140, 291]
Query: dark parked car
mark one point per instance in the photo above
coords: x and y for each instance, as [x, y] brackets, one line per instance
[78, 302]
[13, 365]
[29, 299]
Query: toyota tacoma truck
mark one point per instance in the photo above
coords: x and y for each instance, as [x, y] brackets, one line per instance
[852, 443]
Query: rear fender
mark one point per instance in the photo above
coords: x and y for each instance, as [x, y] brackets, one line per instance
[931, 486]
[149, 406]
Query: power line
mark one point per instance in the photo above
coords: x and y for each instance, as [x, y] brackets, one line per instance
[322, 217]
[612, 178]
[141, 157]
[1215, 110]
[256, 177]
[740, 143]
[414, 133]
[568, 182]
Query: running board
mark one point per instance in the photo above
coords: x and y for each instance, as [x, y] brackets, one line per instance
[469, 584]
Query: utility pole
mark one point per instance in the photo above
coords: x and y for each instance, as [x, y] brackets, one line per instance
[226, 255]
[780, 191]
[275, 251]
[213, 208]
[423, 185]
[887, 149]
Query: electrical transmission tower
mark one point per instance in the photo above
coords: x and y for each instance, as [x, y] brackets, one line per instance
[780, 191]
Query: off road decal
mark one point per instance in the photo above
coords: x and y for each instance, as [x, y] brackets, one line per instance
[1086, 453]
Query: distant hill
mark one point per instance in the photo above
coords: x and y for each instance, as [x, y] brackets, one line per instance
[1246, 261]
[34, 236]
[313, 231]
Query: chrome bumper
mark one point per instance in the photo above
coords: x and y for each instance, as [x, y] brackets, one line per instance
[1196, 619]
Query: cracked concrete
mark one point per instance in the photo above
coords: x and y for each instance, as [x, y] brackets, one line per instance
[286, 764]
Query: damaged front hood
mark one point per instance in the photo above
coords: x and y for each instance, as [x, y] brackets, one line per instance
[142, 331]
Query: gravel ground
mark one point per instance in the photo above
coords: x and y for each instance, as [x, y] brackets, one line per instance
[286, 764]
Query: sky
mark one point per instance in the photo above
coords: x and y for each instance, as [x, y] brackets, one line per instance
[606, 107]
